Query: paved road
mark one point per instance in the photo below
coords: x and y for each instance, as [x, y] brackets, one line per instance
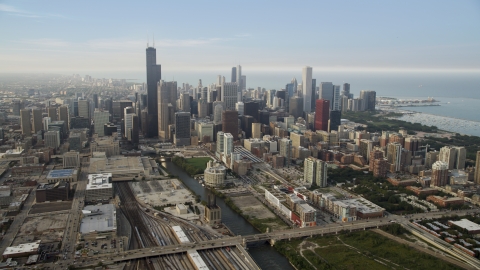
[17, 222]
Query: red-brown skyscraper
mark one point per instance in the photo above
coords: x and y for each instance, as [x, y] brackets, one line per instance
[322, 114]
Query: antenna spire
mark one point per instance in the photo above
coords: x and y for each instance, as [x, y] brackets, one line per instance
[154, 40]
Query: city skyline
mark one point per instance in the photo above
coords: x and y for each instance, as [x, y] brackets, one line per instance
[369, 36]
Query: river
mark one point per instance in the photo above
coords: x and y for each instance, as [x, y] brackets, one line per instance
[265, 256]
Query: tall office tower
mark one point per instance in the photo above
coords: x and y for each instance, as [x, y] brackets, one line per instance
[37, 120]
[412, 143]
[314, 93]
[322, 114]
[63, 115]
[337, 103]
[182, 129]
[202, 108]
[217, 114]
[16, 107]
[247, 122]
[477, 169]
[256, 130]
[84, 108]
[307, 89]
[291, 90]
[229, 93]
[335, 119]
[100, 118]
[154, 75]
[394, 156]
[344, 103]
[460, 156]
[447, 155]
[144, 122]
[244, 83]
[95, 100]
[430, 158]
[240, 107]
[230, 123]
[239, 78]
[439, 174]
[165, 91]
[346, 90]
[128, 124]
[227, 144]
[234, 75]
[185, 102]
[109, 105]
[251, 108]
[326, 92]
[296, 106]
[52, 139]
[286, 150]
[315, 172]
[52, 113]
[25, 121]
[369, 99]
[46, 122]
[270, 97]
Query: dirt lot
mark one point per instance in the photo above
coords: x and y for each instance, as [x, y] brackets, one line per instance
[48, 228]
[39, 208]
[252, 207]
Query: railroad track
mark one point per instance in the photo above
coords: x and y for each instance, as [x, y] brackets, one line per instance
[153, 230]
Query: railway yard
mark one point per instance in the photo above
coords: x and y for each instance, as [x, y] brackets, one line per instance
[153, 229]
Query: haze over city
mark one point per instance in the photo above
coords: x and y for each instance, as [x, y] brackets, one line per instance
[239, 135]
[108, 38]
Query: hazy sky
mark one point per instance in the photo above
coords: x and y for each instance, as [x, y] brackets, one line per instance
[110, 36]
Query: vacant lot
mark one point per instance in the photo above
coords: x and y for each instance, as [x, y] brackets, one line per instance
[359, 250]
[258, 214]
[39, 208]
[48, 228]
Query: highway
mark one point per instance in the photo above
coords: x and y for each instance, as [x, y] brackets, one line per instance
[332, 228]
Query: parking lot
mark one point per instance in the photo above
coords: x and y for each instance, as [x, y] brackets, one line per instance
[101, 246]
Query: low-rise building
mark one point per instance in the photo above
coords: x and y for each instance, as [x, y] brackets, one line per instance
[22, 250]
[99, 187]
[66, 175]
[58, 191]
[471, 227]
[98, 220]
[445, 201]
[214, 174]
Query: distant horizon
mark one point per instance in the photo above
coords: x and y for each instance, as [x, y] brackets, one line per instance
[397, 84]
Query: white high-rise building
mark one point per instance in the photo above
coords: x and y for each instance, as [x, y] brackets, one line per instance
[100, 119]
[128, 125]
[227, 144]
[307, 89]
[240, 108]
[315, 172]
[46, 122]
[220, 143]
